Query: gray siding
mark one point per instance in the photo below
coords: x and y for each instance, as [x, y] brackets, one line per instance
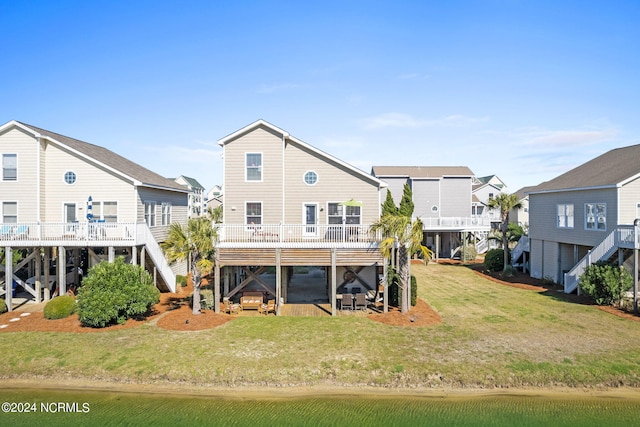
[537, 257]
[426, 194]
[629, 199]
[543, 216]
[396, 186]
[456, 197]
[179, 209]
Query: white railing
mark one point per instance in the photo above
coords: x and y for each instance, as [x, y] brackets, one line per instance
[519, 249]
[157, 256]
[623, 236]
[296, 235]
[482, 246]
[22, 234]
[456, 223]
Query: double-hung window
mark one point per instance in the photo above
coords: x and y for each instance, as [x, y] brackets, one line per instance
[254, 213]
[565, 216]
[166, 213]
[253, 163]
[9, 167]
[337, 214]
[595, 216]
[150, 213]
[9, 212]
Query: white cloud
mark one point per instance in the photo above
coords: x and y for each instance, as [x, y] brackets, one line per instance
[406, 121]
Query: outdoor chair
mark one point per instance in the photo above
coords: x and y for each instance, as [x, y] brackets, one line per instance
[346, 303]
[231, 308]
[361, 302]
[271, 307]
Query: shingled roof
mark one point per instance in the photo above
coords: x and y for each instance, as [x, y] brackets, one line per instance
[142, 175]
[421, 171]
[611, 169]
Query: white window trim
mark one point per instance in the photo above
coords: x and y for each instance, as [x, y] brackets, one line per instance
[304, 219]
[246, 167]
[595, 228]
[2, 168]
[155, 214]
[343, 219]
[254, 226]
[2, 202]
[566, 226]
[304, 176]
[64, 179]
[168, 215]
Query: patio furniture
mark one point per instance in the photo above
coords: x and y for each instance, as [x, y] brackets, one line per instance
[346, 303]
[251, 300]
[231, 308]
[360, 302]
[271, 307]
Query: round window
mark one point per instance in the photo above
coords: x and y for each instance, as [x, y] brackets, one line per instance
[434, 209]
[310, 178]
[70, 177]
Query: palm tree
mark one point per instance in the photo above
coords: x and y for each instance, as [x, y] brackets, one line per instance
[195, 242]
[505, 202]
[401, 238]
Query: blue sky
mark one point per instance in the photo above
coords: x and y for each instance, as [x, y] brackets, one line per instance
[525, 90]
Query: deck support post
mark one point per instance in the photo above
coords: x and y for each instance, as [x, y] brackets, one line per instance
[635, 281]
[62, 270]
[38, 275]
[112, 254]
[279, 299]
[47, 262]
[334, 281]
[216, 284]
[385, 286]
[134, 255]
[8, 277]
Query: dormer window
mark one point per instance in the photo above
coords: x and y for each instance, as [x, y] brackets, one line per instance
[253, 162]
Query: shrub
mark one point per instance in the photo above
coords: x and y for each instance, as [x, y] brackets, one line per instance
[115, 292]
[181, 280]
[3, 306]
[414, 291]
[494, 260]
[469, 253]
[60, 307]
[206, 299]
[605, 283]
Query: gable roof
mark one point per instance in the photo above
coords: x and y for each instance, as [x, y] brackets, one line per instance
[139, 175]
[287, 136]
[611, 169]
[191, 182]
[417, 172]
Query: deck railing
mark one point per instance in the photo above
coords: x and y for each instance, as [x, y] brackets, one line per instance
[22, 234]
[296, 235]
[456, 223]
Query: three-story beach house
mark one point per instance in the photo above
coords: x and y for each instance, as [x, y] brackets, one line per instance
[290, 209]
[79, 203]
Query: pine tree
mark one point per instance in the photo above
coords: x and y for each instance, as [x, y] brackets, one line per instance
[406, 204]
[389, 206]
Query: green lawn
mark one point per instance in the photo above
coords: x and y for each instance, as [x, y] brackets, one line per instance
[491, 335]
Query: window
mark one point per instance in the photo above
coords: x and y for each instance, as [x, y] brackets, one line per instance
[595, 216]
[565, 216]
[337, 213]
[150, 213]
[9, 212]
[9, 167]
[254, 166]
[70, 177]
[254, 212]
[166, 213]
[310, 178]
[110, 211]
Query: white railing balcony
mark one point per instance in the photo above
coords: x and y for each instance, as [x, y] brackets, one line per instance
[296, 236]
[456, 223]
[72, 233]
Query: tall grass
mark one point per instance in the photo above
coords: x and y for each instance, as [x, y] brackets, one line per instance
[491, 335]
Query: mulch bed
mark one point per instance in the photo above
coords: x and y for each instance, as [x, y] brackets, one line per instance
[174, 313]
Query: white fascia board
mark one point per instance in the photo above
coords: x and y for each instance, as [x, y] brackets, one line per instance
[253, 125]
[564, 190]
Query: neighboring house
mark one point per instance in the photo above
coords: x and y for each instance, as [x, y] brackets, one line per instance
[585, 215]
[196, 195]
[483, 190]
[288, 205]
[520, 216]
[214, 197]
[442, 197]
[85, 202]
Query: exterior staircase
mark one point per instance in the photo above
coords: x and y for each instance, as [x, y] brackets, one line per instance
[520, 248]
[157, 256]
[623, 236]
